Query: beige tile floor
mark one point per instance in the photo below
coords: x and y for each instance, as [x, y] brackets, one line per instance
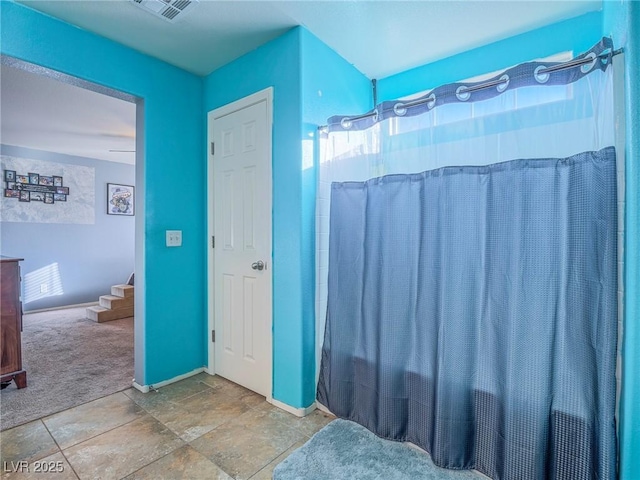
[203, 427]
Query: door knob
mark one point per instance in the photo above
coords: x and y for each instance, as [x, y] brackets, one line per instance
[259, 265]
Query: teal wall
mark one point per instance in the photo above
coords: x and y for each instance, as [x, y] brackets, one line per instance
[577, 34]
[329, 85]
[174, 301]
[277, 64]
[621, 21]
[297, 66]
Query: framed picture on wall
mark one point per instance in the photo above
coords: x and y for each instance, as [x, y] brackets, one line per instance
[25, 197]
[9, 175]
[45, 180]
[120, 199]
[34, 178]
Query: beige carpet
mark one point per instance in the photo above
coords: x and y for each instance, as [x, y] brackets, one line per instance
[69, 361]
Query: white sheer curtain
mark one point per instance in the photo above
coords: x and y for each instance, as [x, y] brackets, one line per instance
[539, 121]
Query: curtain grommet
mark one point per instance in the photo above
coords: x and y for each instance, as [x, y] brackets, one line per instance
[431, 101]
[541, 77]
[399, 109]
[501, 87]
[375, 115]
[462, 94]
[346, 123]
[586, 68]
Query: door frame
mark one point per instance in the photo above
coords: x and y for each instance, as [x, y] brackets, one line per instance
[266, 96]
[139, 320]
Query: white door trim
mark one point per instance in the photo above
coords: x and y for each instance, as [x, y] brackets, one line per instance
[265, 95]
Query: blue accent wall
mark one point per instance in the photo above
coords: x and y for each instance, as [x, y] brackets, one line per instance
[297, 66]
[329, 84]
[577, 34]
[621, 21]
[277, 64]
[170, 178]
[90, 258]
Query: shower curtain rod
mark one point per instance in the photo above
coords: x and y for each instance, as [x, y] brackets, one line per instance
[493, 83]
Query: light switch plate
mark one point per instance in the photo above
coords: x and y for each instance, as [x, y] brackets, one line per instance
[174, 238]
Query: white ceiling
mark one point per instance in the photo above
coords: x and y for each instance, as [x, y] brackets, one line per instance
[379, 37]
[46, 114]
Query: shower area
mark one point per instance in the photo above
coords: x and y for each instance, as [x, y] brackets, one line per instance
[468, 270]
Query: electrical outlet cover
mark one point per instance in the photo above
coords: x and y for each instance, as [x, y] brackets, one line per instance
[174, 238]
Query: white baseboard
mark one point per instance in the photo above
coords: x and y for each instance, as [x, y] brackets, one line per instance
[324, 409]
[141, 388]
[63, 307]
[298, 412]
[146, 388]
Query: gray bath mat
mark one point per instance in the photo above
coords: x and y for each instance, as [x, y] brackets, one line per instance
[346, 450]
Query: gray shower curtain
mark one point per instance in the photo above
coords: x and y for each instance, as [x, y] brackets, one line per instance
[472, 311]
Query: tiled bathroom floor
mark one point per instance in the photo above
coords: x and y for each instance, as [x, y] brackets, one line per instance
[203, 427]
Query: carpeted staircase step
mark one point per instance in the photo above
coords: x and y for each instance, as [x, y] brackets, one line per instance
[113, 302]
[101, 314]
[125, 291]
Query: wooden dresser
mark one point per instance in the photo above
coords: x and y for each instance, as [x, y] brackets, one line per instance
[11, 323]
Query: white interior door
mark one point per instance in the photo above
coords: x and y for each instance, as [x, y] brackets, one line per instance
[242, 253]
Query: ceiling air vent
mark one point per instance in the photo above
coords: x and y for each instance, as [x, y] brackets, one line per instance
[169, 10]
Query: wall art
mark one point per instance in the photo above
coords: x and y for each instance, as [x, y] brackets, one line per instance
[120, 199]
[34, 187]
[43, 191]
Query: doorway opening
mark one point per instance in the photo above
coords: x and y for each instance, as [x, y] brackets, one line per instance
[70, 215]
